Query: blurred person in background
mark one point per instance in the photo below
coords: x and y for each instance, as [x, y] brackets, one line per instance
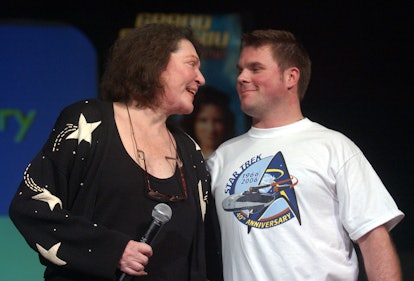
[212, 121]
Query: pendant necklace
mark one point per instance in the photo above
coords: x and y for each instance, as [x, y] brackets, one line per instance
[140, 154]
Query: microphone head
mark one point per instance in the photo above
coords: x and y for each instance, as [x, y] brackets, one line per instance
[162, 213]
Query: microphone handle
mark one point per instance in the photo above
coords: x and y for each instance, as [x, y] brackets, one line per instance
[152, 231]
[125, 277]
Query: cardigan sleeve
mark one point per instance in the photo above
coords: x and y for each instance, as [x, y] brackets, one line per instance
[52, 204]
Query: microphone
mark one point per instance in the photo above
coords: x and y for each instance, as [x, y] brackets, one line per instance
[161, 214]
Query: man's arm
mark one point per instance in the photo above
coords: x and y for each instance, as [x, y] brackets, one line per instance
[380, 256]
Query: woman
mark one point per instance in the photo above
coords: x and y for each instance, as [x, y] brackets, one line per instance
[212, 121]
[91, 190]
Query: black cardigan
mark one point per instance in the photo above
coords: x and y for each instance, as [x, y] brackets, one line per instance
[54, 207]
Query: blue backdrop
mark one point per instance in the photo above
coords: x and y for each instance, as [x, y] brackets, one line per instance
[43, 68]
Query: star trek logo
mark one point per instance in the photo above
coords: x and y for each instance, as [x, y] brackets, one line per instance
[263, 195]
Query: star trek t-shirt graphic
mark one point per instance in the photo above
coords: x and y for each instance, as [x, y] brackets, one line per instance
[263, 195]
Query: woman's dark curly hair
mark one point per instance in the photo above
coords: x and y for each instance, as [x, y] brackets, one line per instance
[137, 60]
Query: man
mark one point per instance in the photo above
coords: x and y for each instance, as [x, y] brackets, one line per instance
[292, 196]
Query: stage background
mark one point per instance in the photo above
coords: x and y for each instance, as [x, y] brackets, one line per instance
[43, 67]
[361, 78]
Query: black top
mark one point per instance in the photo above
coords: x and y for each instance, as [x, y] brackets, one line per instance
[172, 246]
[82, 199]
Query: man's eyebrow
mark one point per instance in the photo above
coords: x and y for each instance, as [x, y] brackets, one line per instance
[252, 64]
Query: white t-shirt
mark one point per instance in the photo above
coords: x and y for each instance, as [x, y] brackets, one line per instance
[289, 201]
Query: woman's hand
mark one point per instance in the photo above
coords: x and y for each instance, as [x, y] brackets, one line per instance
[135, 258]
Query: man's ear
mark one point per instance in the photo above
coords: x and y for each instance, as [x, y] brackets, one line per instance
[292, 75]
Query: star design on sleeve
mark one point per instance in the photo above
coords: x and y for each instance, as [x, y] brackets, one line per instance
[84, 130]
[49, 198]
[51, 254]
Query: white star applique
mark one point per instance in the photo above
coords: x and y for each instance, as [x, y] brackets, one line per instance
[49, 198]
[51, 254]
[84, 130]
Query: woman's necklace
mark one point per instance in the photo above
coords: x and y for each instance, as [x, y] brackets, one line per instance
[177, 158]
[140, 154]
